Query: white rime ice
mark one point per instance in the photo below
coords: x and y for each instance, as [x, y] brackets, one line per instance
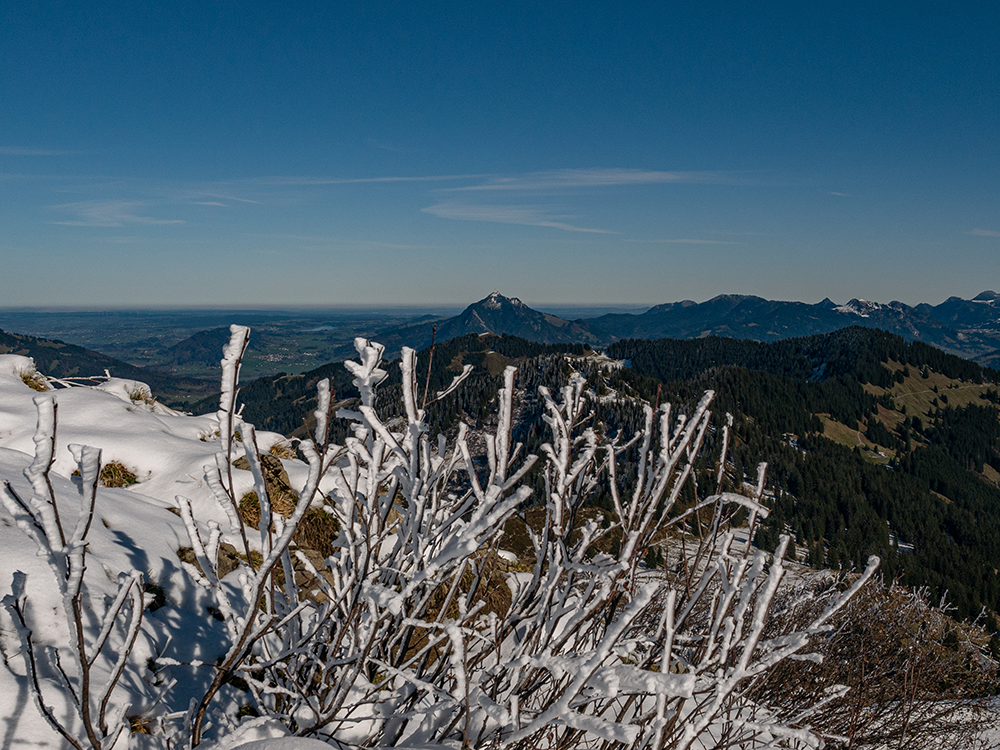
[415, 630]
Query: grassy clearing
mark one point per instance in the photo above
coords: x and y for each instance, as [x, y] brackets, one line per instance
[919, 394]
[840, 433]
[495, 363]
[853, 437]
[991, 475]
[916, 396]
[943, 498]
[891, 419]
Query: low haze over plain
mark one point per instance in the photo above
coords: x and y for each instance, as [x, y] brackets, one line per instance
[262, 154]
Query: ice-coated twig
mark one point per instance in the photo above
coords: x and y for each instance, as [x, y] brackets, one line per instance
[41, 520]
[16, 604]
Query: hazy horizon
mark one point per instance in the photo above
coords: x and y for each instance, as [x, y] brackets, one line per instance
[403, 308]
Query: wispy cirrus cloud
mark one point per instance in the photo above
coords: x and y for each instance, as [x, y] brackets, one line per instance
[984, 233]
[684, 241]
[309, 181]
[108, 213]
[559, 179]
[531, 216]
[548, 180]
[20, 151]
[140, 196]
[322, 241]
[205, 196]
[387, 146]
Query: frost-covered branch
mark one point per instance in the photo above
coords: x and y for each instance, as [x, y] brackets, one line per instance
[40, 518]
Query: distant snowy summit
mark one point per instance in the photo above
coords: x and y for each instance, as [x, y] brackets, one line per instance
[865, 309]
[860, 307]
[497, 314]
[496, 301]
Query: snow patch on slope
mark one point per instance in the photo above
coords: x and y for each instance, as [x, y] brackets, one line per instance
[860, 307]
[495, 301]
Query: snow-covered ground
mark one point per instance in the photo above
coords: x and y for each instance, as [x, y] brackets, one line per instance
[133, 529]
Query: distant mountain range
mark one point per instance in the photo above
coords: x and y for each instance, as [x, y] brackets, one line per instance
[969, 328]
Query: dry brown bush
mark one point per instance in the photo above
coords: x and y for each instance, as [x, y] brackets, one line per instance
[915, 674]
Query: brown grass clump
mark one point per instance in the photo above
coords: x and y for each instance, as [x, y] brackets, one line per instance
[491, 589]
[283, 497]
[33, 379]
[141, 395]
[492, 586]
[250, 509]
[318, 531]
[282, 450]
[140, 724]
[114, 474]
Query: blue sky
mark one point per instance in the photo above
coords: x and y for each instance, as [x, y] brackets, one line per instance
[264, 154]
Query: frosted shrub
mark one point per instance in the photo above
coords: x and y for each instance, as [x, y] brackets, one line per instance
[914, 672]
[99, 650]
[403, 646]
[421, 633]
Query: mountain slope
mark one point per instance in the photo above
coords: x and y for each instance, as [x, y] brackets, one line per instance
[498, 315]
[60, 360]
[732, 315]
[982, 311]
[495, 314]
[202, 348]
[874, 445]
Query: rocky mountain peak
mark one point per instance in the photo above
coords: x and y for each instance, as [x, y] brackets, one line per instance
[497, 301]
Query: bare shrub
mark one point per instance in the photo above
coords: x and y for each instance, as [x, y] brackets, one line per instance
[98, 660]
[410, 638]
[409, 642]
[914, 673]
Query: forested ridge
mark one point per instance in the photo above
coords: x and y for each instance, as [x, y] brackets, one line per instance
[910, 487]
[284, 403]
[854, 351]
[915, 493]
